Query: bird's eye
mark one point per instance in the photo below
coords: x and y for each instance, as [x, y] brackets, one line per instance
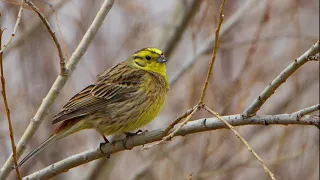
[148, 57]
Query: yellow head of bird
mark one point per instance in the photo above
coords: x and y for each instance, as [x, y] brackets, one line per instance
[150, 59]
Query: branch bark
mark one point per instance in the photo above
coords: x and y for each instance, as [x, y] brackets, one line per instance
[57, 86]
[196, 126]
[4, 94]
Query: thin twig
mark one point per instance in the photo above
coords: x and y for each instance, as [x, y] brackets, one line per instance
[57, 86]
[33, 26]
[191, 127]
[59, 30]
[169, 136]
[13, 146]
[14, 29]
[177, 120]
[307, 110]
[279, 80]
[215, 48]
[172, 134]
[243, 140]
[63, 70]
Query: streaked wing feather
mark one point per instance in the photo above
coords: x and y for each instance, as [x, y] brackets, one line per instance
[116, 84]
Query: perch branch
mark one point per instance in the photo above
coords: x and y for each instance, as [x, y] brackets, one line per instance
[191, 127]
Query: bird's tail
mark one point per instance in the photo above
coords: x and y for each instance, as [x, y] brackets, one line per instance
[64, 129]
[43, 145]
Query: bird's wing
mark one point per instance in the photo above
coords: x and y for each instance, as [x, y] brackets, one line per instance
[116, 84]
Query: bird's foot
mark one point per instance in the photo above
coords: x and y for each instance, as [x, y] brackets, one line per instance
[130, 134]
[106, 141]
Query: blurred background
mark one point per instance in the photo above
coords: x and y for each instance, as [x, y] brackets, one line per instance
[256, 47]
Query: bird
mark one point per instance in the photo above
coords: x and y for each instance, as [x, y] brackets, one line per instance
[124, 97]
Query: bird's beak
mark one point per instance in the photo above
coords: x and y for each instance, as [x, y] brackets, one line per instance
[162, 59]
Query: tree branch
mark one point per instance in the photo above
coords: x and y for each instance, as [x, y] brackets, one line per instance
[4, 95]
[307, 110]
[279, 80]
[63, 70]
[32, 26]
[266, 169]
[214, 54]
[57, 86]
[196, 126]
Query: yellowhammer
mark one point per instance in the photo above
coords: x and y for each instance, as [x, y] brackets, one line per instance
[124, 98]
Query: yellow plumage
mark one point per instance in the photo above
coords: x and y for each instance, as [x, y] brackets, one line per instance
[124, 98]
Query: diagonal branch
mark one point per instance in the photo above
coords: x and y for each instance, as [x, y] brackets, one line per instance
[63, 70]
[57, 86]
[307, 110]
[195, 126]
[266, 169]
[215, 49]
[32, 26]
[279, 80]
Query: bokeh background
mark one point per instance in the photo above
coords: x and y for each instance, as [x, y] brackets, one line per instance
[267, 38]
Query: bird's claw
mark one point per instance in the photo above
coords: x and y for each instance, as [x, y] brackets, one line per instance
[101, 145]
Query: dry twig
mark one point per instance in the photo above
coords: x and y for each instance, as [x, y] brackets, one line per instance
[243, 140]
[63, 70]
[3, 92]
[215, 48]
[307, 110]
[172, 134]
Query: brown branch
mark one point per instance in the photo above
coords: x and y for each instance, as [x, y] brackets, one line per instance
[3, 92]
[177, 120]
[215, 48]
[243, 140]
[63, 70]
[172, 134]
